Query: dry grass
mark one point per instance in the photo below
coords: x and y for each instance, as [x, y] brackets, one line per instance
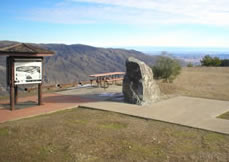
[224, 116]
[90, 135]
[205, 82]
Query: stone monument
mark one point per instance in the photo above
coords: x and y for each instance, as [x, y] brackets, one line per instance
[139, 87]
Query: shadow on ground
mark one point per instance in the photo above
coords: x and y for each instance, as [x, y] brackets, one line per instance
[21, 105]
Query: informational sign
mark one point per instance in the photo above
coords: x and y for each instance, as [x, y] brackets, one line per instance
[27, 71]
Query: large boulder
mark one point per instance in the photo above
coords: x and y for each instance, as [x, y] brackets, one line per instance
[139, 87]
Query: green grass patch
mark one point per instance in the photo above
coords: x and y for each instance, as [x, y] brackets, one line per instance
[4, 131]
[210, 142]
[147, 150]
[214, 137]
[185, 134]
[224, 116]
[45, 150]
[113, 125]
[78, 121]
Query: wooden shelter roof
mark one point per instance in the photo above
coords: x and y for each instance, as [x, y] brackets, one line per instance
[25, 49]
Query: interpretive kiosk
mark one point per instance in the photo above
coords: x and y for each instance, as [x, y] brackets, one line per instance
[24, 66]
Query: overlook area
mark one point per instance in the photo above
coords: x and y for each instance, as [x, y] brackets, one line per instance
[114, 81]
[86, 134]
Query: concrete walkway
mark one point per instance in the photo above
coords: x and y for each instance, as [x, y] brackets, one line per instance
[188, 111]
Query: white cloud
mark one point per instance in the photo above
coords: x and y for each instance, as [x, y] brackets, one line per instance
[147, 13]
[172, 11]
[213, 12]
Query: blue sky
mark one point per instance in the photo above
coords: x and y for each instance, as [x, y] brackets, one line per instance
[117, 23]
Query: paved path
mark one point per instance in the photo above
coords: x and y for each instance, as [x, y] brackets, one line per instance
[71, 98]
[188, 111]
[28, 107]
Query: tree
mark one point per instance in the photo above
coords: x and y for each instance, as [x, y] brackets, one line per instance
[206, 61]
[166, 68]
[210, 61]
[216, 61]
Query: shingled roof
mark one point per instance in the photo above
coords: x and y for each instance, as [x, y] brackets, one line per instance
[25, 49]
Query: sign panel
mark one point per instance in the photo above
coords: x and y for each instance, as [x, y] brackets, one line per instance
[27, 71]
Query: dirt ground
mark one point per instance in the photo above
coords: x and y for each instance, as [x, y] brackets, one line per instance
[205, 82]
[90, 135]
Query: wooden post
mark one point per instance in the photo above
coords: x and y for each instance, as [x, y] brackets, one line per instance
[114, 80]
[16, 94]
[40, 101]
[12, 100]
[113, 77]
[40, 94]
[12, 91]
[100, 81]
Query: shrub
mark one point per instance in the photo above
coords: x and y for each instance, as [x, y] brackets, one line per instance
[166, 68]
[216, 61]
[206, 61]
[189, 64]
[210, 61]
[225, 62]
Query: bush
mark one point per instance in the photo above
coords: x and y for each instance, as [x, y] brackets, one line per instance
[166, 68]
[210, 61]
[216, 61]
[225, 62]
[189, 64]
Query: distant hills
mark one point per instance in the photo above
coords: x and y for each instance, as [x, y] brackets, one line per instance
[75, 62]
[154, 50]
[187, 54]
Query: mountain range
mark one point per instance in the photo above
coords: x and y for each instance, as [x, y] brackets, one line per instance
[73, 63]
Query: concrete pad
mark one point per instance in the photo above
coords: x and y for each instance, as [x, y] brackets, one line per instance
[188, 111]
[95, 93]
